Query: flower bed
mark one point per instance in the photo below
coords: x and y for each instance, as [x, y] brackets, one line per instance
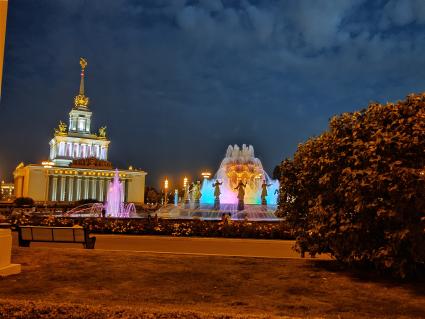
[169, 227]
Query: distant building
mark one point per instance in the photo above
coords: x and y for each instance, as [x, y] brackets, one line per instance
[6, 191]
[78, 166]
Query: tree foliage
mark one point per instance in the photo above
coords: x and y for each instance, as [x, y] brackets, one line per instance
[152, 195]
[24, 202]
[357, 190]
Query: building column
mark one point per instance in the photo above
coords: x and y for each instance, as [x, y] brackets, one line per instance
[71, 188]
[126, 186]
[63, 185]
[123, 189]
[107, 181]
[54, 189]
[101, 189]
[93, 188]
[86, 188]
[78, 189]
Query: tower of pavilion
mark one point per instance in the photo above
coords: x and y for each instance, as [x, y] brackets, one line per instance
[76, 141]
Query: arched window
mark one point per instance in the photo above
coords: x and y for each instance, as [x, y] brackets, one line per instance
[83, 150]
[62, 149]
[81, 124]
[75, 150]
[97, 151]
[69, 149]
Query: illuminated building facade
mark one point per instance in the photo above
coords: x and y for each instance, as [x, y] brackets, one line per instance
[6, 191]
[78, 166]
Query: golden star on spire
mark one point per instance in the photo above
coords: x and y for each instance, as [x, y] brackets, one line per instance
[83, 63]
[81, 100]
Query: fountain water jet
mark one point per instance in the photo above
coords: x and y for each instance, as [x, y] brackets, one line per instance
[114, 205]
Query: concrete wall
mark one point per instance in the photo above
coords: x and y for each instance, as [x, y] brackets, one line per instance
[31, 181]
[37, 188]
[136, 189]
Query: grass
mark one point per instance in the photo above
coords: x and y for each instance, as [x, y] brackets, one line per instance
[205, 285]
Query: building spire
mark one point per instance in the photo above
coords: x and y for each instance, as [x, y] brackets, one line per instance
[83, 64]
[81, 100]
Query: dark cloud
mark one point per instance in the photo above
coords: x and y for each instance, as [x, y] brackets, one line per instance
[176, 81]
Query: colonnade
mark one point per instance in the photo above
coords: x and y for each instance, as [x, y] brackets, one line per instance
[64, 188]
[76, 150]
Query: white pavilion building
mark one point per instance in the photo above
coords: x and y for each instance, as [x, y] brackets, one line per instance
[78, 166]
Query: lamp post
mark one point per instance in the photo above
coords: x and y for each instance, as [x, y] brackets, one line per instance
[165, 191]
[186, 192]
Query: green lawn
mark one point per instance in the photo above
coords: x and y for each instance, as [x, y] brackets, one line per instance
[189, 285]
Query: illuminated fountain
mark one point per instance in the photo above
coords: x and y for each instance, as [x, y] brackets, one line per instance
[114, 205]
[238, 165]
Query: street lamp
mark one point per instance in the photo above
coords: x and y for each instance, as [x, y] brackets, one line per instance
[206, 175]
[185, 182]
[165, 190]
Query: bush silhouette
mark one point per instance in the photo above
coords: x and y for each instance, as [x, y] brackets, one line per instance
[357, 190]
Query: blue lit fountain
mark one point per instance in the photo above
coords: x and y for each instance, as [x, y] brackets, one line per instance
[239, 164]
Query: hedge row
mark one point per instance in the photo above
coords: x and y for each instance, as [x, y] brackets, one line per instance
[183, 228]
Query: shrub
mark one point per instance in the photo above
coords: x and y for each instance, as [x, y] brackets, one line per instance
[86, 201]
[170, 227]
[24, 202]
[357, 190]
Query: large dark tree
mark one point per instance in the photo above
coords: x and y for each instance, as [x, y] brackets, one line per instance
[358, 190]
[152, 195]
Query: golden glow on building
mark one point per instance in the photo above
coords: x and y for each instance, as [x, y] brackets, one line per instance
[6, 191]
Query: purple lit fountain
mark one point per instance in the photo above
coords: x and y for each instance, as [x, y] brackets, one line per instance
[114, 205]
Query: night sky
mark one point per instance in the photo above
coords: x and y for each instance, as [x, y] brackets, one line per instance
[176, 82]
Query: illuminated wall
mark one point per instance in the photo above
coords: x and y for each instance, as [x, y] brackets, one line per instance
[58, 184]
[3, 15]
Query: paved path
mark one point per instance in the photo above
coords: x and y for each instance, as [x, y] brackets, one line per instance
[189, 245]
